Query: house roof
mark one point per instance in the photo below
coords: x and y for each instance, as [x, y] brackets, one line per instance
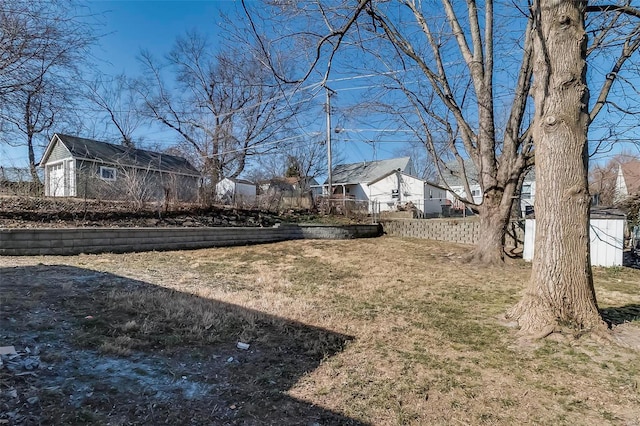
[453, 175]
[103, 152]
[425, 182]
[366, 172]
[243, 181]
[631, 173]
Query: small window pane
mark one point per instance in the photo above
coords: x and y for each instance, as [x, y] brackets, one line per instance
[107, 173]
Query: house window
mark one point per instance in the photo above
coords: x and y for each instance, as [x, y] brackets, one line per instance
[107, 173]
[395, 193]
[475, 193]
[526, 192]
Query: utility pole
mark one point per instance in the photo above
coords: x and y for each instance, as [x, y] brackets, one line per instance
[328, 111]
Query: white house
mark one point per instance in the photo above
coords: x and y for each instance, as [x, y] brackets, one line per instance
[385, 185]
[455, 182]
[397, 188]
[236, 191]
[627, 180]
[351, 180]
[606, 237]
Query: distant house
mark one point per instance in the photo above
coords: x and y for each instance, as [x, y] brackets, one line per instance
[351, 180]
[86, 168]
[289, 186]
[396, 189]
[236, 191]
[387, 185]
[293, 192]
[453, 179]
[627, 181]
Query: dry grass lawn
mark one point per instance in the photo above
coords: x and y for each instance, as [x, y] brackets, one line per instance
[428, 347]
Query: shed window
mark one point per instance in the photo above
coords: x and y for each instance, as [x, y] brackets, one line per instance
[107, 173]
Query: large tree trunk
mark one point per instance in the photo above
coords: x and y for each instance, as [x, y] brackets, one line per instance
[561, 291]
[494, 215]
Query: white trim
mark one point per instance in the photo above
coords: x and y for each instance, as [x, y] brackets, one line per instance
[53, 163]
[70, 178]
[47, 152]
[106, 168]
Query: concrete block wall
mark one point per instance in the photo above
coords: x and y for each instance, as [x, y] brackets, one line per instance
[331, 232]
[462, 230]
[69, 241]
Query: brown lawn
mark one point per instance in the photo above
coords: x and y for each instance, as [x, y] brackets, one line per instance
[380, 331]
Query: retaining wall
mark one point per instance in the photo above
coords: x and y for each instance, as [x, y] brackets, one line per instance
[463, 230]
[69, 241]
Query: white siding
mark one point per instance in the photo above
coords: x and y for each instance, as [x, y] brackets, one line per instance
[475, 190]
[607, 242]
[528, 187]
[529, 239]
[382, 192]
[70, 177]
[434, 199]
[409, 189]
[236, 192]
[620, 191]
[606, 236]
[358, 192]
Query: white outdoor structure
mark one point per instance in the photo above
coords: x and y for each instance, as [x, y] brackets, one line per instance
[398, 188]
[236, 191]
[607, 237]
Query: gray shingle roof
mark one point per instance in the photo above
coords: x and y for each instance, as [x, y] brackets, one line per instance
[365, 172]
[453, 176]
[120, 155]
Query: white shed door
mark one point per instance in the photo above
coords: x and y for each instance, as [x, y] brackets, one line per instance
[56, 180]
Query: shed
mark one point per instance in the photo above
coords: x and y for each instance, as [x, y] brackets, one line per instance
[86, 168]
[236, 191]
[606, 237]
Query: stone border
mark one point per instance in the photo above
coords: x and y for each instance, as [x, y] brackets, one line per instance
[455, 230]
[70, 241]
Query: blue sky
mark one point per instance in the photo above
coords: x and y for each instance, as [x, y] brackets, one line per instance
[152, 25]
[129, 26]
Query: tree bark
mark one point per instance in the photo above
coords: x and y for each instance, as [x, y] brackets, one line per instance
[560, 291]
[32, 161]
[494, 216]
